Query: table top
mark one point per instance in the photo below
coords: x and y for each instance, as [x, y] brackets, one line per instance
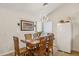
[34, 41]
[31, 41]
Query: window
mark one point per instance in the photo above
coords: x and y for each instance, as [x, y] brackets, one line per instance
[39, 26]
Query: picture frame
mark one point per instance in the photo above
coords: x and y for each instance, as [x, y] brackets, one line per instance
[27, 25]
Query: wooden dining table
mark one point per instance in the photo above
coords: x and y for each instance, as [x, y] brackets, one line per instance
[34, 40]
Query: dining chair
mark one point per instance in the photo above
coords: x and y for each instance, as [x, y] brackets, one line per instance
[51, 34]
[41, 51]
[37, 34]
[30, 48]
[28, 45]
[50, 44]
[18, 51]
[28, 36]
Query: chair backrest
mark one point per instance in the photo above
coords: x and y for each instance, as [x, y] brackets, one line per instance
[16, 45]
[51, 34]
[35, 35]
[28, 36]
[42, 44]
[50, 42]
[39, 33]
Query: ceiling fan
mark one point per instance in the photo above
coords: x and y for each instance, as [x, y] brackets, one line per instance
[44, 4]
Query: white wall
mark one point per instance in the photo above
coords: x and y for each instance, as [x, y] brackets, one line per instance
[9, 28]
[71, 10]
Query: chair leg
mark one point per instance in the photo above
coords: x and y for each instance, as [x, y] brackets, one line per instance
[15, 54]
[52, 53]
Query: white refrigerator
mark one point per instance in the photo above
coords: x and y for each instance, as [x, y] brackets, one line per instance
[64, 37]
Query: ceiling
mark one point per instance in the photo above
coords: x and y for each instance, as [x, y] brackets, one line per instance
[32, 8]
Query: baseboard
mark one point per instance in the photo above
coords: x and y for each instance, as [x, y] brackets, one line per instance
[3, 54]
[76, 50]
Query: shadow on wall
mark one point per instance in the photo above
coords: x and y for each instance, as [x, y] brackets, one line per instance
[75, 42]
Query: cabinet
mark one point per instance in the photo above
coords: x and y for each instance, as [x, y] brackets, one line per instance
[64, 37]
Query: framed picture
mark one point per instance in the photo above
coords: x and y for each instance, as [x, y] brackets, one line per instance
[27, 25]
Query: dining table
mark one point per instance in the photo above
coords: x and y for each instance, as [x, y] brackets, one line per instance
[31, 41]
[34, 42]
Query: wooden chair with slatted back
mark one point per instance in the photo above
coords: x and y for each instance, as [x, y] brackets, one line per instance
[50, 43]
[28, 36]
[39, 33]
[35, 35]
[29, 46]
[41, 51]
[18, 51]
